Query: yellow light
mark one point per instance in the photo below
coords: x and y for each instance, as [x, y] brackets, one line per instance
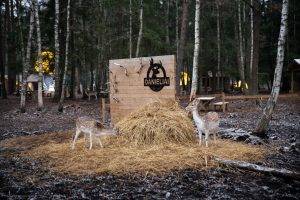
[240, 83]
[186, 78]
[47, 62]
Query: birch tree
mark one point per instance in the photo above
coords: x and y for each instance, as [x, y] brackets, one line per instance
[24, 70]
[196, 53]
[39, 44]
[140, 31]
[26, 59]
[56, 45]
[264, 120]
[62, 95]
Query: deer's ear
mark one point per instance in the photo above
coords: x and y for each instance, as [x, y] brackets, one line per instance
[99, 124]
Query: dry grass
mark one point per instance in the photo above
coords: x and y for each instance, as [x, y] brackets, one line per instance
[154, 140]
[159, 122]
[118, 158]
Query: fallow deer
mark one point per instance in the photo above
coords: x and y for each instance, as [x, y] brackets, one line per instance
[92, 127]
[209, 124]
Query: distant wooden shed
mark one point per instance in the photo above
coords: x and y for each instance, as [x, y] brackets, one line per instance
[294, 69]
[32, 82]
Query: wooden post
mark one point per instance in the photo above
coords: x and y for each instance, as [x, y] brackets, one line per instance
[223, 101]
[103, 110]
[292, 83]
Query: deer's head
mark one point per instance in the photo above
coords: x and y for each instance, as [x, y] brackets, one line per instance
[192, 106]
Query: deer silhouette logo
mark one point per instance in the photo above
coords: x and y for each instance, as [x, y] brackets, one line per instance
[156, 77]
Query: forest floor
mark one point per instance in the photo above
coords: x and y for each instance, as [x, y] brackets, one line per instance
[24, 178]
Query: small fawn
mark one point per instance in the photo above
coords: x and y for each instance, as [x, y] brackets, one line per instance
[91, 93]
[92, 127]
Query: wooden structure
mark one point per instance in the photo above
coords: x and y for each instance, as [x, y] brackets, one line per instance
[221, 104]
[294, 69]
[139, 81]
[204, 102]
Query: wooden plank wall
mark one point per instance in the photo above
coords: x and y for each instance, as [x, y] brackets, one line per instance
[128, 93]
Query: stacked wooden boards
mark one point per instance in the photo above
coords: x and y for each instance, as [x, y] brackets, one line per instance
[128, 90]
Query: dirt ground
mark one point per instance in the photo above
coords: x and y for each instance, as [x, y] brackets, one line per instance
[22, 178]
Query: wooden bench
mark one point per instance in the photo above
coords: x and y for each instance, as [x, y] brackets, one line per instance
[221, 104]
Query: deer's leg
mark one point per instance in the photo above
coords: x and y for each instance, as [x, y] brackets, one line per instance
[91, 140]
[75, 137]
[99, 141]
[206, 138]
[84, 138]
[215, 137]
[200, 136]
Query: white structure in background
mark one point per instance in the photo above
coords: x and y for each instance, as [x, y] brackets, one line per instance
[48, 83]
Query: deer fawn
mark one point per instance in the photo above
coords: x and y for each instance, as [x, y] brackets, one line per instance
[91, 93]
[208, 125]
[92, 127]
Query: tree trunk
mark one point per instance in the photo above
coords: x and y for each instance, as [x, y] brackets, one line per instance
[258, 168]
[39, 43]
[130, 29]
[218, 44]
[22, 47]
[7, 45]
[26, 61]
[76, 82]
[141, 30]
[256, 26]
[196, 53]
[241, 51]
[251, 47]
[56, 45]
[177, 50]
[11, 50]
[92, 77]
[264, 121]
[181, 44]
[167, 23]
[2, 69]
[11, 9]
[62, 95]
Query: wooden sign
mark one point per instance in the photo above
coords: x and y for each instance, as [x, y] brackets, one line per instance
[139, 81]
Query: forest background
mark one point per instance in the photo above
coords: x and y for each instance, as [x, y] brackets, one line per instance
[100, 30]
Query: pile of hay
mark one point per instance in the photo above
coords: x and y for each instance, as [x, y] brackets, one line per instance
[54, 150]
[159, 122]
[156, 139]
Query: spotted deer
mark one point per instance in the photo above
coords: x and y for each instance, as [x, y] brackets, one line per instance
[91, 93]
[208, 124]
[92, 127]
